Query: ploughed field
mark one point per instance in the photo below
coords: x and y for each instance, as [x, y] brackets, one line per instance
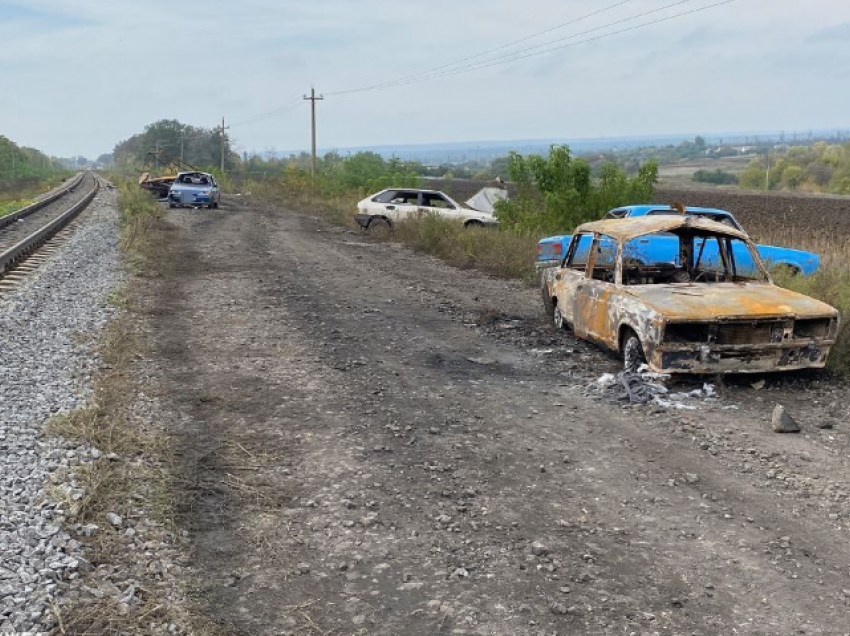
[373, 442]
[817, 223]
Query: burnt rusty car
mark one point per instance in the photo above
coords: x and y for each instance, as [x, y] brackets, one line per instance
[688, 308]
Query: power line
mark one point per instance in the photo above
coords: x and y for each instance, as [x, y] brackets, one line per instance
[513, 57]
[288, 106]
[493, 50]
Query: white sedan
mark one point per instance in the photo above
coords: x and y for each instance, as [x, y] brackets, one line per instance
[382, 210]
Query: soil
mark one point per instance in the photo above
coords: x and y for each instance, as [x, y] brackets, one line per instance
[372, 442]
[799, 215]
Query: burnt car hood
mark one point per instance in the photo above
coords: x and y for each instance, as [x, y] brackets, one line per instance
[703, 301]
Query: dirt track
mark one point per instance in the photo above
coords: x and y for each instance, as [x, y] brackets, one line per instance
[372, 442]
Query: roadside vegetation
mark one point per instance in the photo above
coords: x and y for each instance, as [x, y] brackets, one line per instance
[715, 177]
[557, 193]
[821, 167]
[25, 173]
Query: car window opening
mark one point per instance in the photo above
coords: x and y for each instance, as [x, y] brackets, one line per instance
[688, 258]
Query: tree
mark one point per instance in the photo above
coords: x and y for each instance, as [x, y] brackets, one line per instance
[754, 175]
[557, 193]
[793, 177]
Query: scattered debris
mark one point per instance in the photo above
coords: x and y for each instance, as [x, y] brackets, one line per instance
[758, 386]
[782, 422]
[646, 387]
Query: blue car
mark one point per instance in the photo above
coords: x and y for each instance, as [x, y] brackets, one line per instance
[194, 189]
[551, 250]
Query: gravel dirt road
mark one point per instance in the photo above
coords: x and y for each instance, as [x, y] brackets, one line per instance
[372, 442]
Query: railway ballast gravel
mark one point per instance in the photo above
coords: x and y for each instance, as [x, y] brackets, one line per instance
[49, 325]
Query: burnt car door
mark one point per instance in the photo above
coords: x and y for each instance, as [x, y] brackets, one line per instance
[592, 317]
[571, 274]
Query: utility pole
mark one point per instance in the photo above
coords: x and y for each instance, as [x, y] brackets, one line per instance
[767, 174]
[156, 154]
[182, 135]
[223, 128]
[313, 99]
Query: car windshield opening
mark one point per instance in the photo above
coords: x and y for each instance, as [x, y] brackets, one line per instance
[688, 257]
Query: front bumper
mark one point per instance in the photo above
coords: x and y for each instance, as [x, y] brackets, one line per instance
[363, 220]
[785, 356]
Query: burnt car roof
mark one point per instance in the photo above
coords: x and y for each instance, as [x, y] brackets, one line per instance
[625, 229]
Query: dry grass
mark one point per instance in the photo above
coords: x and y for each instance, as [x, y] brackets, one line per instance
[135, 478]
[503, 254]
[140, 214]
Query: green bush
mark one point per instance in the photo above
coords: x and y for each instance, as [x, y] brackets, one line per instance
[717, 177]
[558, 193]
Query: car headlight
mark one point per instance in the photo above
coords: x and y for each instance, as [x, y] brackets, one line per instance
[207, 193]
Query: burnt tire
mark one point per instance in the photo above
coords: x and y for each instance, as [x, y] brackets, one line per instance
[633, 356]
[378, 228]
[558, 319]
[548, 305]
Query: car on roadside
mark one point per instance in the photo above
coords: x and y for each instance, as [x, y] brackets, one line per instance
[381, 211]
[550, 250]
[194, 189]
[683, 312]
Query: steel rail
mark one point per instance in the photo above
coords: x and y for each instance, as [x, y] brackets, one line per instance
[27, 246]
[9, 219]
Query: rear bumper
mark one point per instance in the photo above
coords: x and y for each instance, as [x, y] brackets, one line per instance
[547, 264]
[191, 199]
[739, 358]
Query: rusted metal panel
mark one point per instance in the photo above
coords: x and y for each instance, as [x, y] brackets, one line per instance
[727, 300]
[716, 327]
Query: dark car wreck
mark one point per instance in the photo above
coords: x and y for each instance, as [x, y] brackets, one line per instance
[686, 310]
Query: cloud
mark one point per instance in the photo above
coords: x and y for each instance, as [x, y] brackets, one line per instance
[86, 74]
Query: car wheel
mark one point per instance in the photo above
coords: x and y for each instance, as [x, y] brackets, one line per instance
[633, 356]
[172, 206]
[215, 205]
[558, 318]
[548, 305]
[378, 227]
[473, 224]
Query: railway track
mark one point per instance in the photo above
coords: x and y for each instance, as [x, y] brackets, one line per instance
[26, 231]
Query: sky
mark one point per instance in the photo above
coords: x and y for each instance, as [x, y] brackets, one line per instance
[78, 76]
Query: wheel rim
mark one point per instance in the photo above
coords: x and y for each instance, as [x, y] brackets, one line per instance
[558, 318]
[632, 355]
